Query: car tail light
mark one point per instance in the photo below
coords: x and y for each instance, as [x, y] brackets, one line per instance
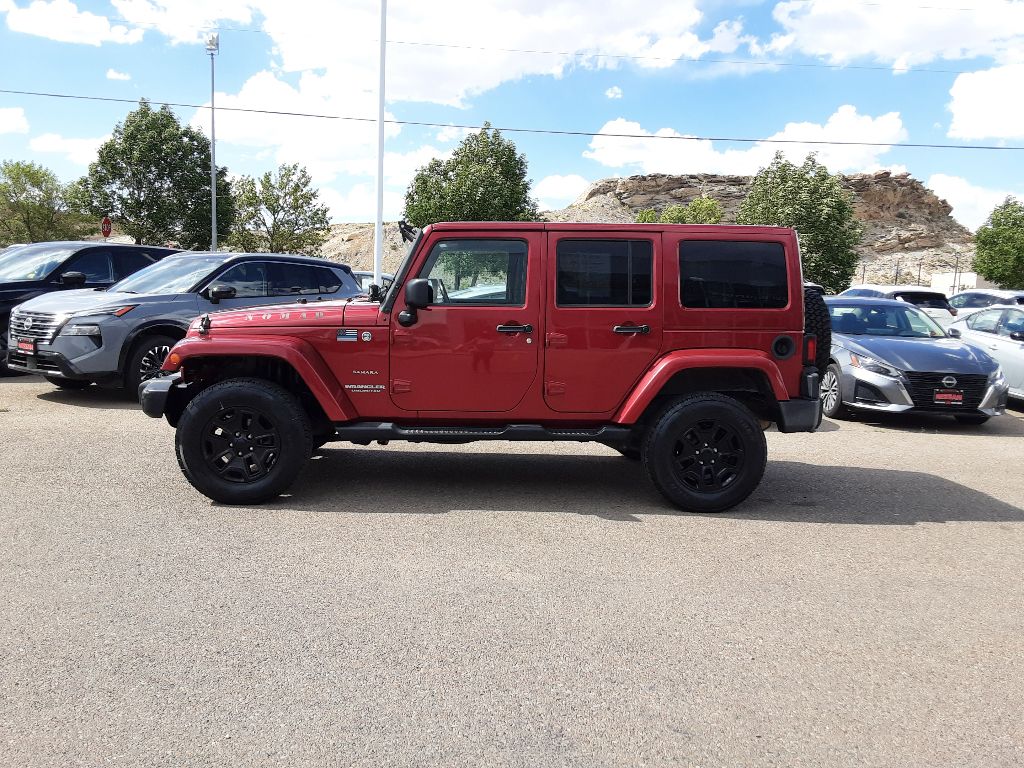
[952, 311]
[810, 349]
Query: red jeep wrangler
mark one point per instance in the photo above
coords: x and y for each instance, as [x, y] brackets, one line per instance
[673, 344]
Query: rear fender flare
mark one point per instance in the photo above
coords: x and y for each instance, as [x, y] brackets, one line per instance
[299, 354]
[668, 366]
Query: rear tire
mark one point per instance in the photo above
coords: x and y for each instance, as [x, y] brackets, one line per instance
[818, 322]
[243, 441]
[971, 419]
[705, 452]
[145, 360]
[69, 384]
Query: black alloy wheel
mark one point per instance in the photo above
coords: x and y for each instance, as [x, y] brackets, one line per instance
[241, 445]
[705, 452]
[243, 441]
[152, 361]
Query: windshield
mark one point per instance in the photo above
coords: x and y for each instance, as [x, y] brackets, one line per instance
[174, 274]
[31, 262]
[861, 320]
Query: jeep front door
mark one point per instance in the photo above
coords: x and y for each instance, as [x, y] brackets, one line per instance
[604, 319]
[474, 349]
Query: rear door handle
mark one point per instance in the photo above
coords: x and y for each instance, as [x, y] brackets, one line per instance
[515, 328]
[632, 329]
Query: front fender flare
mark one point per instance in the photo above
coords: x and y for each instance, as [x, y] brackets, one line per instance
[299, 354]
[668, 366]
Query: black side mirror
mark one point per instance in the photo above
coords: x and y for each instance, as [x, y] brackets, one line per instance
[953, 332]
[1017, 335]
[419, 294]
[218, 292]
[72, 279]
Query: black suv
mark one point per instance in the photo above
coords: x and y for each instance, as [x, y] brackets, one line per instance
[29, 270]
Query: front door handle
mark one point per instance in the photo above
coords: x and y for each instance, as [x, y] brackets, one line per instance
[515, 328]
[632, 329]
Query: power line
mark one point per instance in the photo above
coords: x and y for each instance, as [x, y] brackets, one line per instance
[543, 131]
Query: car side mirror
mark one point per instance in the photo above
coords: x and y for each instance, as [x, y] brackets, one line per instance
[1017, 335]
[72, 279]
[219, 292]
[954, 332]
[419, 294]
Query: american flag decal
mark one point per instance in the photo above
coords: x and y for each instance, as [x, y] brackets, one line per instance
[344, 335]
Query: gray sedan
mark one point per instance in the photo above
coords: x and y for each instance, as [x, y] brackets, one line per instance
[890, 357]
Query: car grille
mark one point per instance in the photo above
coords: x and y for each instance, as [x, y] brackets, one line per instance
[39, 326]
[38, 364]
[923, 386]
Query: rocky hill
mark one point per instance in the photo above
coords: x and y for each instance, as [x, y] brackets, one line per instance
[906, 226]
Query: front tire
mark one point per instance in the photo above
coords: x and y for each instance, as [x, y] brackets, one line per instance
[705, 453]
[832, 393]
[243, 441]
[145, 361]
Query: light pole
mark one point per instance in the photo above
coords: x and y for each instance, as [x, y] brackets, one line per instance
[213, 48]
[378, 226]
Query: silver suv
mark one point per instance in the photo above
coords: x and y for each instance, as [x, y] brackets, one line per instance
[120, 336]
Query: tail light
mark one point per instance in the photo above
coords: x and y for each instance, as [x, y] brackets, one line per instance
[952, 311]
[810, 349]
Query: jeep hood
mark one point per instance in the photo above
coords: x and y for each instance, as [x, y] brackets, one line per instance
[336, 314]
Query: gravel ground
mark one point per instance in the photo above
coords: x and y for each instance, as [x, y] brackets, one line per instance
[508, 604]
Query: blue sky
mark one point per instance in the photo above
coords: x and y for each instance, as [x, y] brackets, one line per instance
[902, 71]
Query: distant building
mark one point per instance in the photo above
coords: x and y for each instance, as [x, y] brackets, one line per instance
[964, 281]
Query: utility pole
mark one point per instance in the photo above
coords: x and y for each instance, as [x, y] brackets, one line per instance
[213, 48]
[897, 280]
[378, 226]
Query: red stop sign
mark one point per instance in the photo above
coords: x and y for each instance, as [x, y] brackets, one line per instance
[105, 226]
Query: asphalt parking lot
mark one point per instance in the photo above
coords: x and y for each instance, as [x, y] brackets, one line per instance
[508, 604]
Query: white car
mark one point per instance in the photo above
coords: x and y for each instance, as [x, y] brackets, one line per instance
[968, 302]
[999, 331]
[933, 303]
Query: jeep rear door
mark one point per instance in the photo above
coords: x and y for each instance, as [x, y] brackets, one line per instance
[604, 323]
[475, 348]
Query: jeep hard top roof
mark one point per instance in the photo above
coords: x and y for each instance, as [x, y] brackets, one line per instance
[590, 226]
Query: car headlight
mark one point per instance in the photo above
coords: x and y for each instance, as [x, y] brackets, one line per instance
[86, 329]
[118, 311]
[874, 366]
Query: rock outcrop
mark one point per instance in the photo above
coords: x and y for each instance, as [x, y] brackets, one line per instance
[907, 228]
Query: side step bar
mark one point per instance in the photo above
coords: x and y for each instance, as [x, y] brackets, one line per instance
[366, 432]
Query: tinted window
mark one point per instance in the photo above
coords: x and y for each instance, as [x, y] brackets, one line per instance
[328, 279]
[977, 301]
[719, 274]
[984, 321]
[477, 272]
[95, 265]
[920, 299]
[285, 279]
[1013, 322]
[249, 280]
[604, 273]
[130, 262]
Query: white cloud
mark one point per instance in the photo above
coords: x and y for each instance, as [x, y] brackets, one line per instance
[558, 191]
[614, 92]
[113, 74]
[185, 21]
[13, 120]
[78, 151]
[900, 33]
[61, 20]
[359, 203]
[680, 155]
[988, 104]
[971, 204]
[451, 133]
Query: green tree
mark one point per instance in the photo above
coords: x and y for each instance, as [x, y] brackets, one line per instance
[484, 180]
[152, 177]
[812, 201]
[279, 213]
[700, 210]
[1000, 243]
[34, 206]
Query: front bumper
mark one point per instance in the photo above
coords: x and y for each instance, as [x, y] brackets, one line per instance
[164, 396]
[885, 394]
